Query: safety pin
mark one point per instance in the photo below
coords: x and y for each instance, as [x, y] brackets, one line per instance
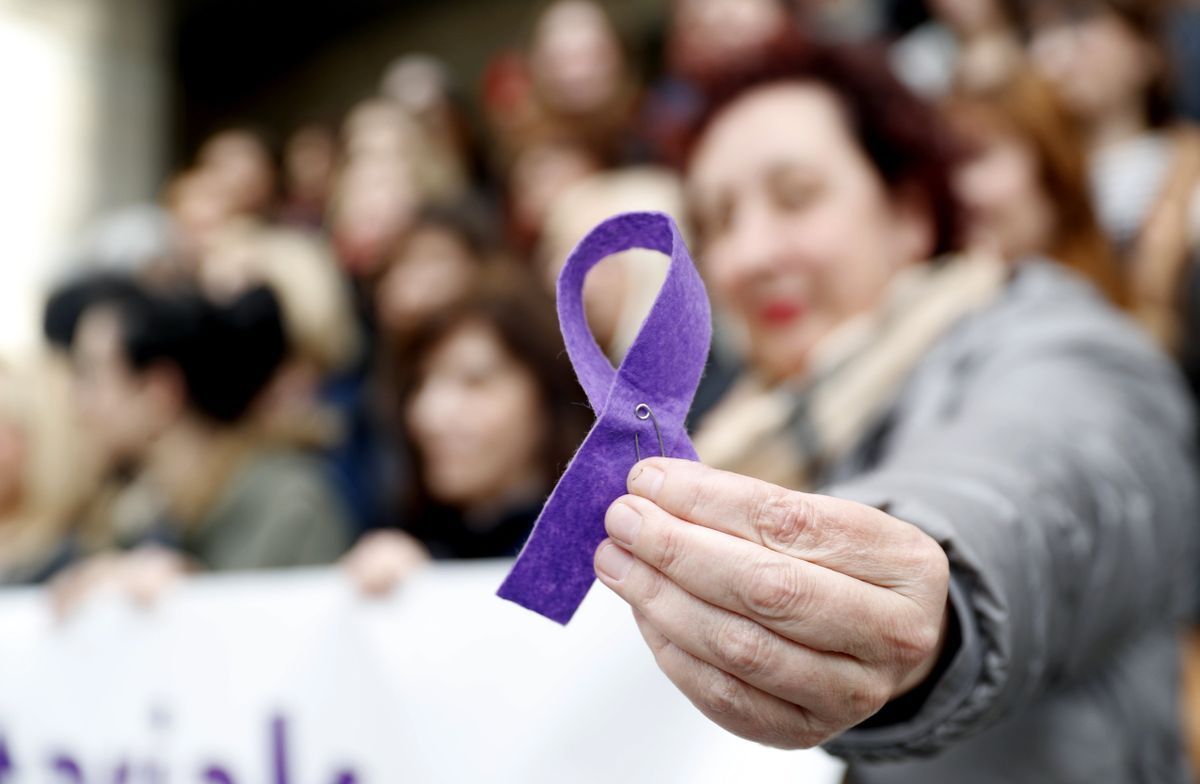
[643, 412]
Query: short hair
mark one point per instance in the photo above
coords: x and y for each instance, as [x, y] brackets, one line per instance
[906, 139]
[225, 353]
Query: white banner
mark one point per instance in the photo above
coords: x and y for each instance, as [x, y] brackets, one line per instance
[290, 678]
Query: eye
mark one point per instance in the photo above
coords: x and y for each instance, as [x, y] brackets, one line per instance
[713, 218]
[794, 190]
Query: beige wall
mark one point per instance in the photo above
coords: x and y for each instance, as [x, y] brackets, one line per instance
[81, 130]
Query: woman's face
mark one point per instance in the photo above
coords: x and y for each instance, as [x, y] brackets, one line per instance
[376, 203]
[123, 411]
[1001, 186]
[968, 17]
[576, 59]
[476, 419]
[434, 269]
[242, 163]
[799, 232]
[1096, 62]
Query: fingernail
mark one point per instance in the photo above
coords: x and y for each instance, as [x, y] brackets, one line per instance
[614, 561]
[623, 523]
[645, 480]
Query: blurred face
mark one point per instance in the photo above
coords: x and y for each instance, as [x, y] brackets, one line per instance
[376, 200]
[310, 159]
[380, 128]
[799, 232]
[968, 17]
[243, 166]
[201, 207]
[1096, 61]
[123, 411]
[476, 419]
[541, 175]
[709, 34]
[576, 59]
[418, 83]
[1002, 190]
[433, 270]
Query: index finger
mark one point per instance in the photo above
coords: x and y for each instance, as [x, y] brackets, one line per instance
[845, 536]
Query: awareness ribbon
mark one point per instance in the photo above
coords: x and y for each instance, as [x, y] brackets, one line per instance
[640, 406]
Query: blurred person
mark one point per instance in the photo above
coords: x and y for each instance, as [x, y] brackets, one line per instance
[383, 130]
[373, 205]
[1025, 185]
[618, 293]
[421, 85]
[433, 266]
[47, 474]
[969, 45]
[310, 160]
[244, 168]
[166, 382]
[1004, 538]
[704, 38]
[573, 83]
[540, 174]
[492, 414]
[1106, 59]
[199, 209]
[317, 398]
[318, 317]
[508, 104]
[708, 36]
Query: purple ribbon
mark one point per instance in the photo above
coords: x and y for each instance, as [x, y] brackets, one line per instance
[660, 372]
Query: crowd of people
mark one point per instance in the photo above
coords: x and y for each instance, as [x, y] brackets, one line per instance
[345, 350]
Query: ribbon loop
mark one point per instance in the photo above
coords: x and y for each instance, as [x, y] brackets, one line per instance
[660, 371]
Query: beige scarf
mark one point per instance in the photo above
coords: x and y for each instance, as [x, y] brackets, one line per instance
[788, 432]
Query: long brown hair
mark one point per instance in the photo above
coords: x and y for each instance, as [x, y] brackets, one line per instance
[1025, 107]
[509, 301]
[1145, 18]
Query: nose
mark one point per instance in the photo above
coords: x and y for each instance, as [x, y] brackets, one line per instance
[434, 409]
[754, 244]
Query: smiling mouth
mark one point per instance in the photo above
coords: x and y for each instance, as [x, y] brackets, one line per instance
[780, 312]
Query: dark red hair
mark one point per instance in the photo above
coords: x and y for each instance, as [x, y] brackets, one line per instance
[906, 140]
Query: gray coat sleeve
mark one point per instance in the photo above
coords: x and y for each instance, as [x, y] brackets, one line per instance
[1062, 487]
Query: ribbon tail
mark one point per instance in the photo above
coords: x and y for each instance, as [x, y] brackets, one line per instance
[554, 571]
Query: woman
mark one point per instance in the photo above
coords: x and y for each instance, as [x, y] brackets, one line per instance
[492, 414]
[1025, 184]
[1106, 59]
[573, 85]
[166, 382]
[969, 44]
[1007, 546]
[431, 267]
[46, 473]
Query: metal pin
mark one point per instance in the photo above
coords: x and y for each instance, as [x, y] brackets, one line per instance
[643, 412]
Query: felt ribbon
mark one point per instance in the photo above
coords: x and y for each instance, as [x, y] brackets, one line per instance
[640, 407]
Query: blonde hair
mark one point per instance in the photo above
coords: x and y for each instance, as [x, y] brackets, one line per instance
[60, 473]
[318, 306]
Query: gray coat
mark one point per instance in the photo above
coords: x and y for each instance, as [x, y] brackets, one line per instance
[1049, 448]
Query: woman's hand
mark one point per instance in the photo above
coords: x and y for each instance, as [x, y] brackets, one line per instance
[143, 574]
[785, 617]
[382, 560]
